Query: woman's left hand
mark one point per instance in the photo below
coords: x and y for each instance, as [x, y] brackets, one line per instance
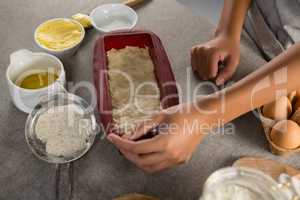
[174, 145]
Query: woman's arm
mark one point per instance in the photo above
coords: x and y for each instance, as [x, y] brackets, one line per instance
[232, 18]
[276, 78]
[179, 140]
[224, 47]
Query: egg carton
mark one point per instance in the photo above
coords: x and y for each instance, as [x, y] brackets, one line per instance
[267, 124]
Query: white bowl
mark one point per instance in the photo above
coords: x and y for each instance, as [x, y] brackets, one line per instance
[113, 17]
[64, 52]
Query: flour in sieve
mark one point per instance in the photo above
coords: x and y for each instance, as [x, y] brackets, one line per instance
[63, 129]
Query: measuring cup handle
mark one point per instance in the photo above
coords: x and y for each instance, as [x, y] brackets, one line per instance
[20, 57]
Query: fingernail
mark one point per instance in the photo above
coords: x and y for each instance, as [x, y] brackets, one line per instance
[219, 82]
[121, 151]
[110, 139]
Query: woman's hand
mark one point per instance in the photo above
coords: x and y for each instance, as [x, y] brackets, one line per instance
[177, 140]
[206, 58]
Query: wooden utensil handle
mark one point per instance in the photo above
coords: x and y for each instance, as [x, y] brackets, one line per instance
[270, 167]
[132, 3]
[297, 175]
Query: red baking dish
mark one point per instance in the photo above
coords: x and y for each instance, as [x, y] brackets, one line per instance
[162, 69]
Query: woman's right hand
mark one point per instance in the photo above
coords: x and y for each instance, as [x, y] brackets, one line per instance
[180, 133]
[206, 58]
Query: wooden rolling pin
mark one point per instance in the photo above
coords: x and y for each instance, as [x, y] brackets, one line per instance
[135, 197]
[270, 167]
[133, 3]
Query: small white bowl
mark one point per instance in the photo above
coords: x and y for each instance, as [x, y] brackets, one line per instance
[64, 52]
[112, 17]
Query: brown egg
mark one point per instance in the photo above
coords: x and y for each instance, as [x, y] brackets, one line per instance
[296, 116]
[279, 109]
[286, 134]
[297, 104]
[297, 93]
[292, 97]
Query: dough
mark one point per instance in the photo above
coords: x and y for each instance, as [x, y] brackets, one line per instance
[133, 87]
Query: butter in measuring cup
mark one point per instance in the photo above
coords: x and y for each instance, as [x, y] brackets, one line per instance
[59, 34]
[36, 80]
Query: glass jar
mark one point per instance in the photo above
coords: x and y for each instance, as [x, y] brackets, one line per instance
[242, 183]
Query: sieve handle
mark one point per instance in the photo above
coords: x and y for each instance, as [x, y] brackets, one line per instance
[57, 181]
[57, 185]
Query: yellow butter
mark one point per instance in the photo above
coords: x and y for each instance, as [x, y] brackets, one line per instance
[83, 19]
[59, 34]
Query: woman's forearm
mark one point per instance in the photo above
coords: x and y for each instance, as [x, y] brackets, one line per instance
[276, 78]
[232, 18]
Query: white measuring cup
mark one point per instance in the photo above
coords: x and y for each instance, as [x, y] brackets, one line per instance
[24, 62]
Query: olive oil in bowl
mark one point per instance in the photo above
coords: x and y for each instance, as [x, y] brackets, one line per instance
[37, 80]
